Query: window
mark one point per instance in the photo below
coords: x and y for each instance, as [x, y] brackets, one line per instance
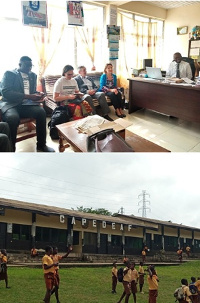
[50, 234]
[21, 232]
[133, 242]
[62, 236]
[62, 44]
[116, 240]
[75, 237]
[171, 241]
[141, 38]
[90, 238]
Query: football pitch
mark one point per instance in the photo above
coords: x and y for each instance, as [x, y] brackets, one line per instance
[89, 285]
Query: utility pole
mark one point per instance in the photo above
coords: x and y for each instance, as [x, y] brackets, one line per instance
[144, 202]
[121, 211]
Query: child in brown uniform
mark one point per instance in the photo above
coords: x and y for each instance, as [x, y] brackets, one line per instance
[134, 281]
[114, 278]
[56, 258]
[141, 277]
[152, 280]
[144, 255]
[187, 293]
[3, 267]
[126, 283]
[49, 270]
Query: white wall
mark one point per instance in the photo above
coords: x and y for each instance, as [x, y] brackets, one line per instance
[183, 16]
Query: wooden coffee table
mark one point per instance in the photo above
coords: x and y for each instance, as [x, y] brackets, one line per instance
[77, 140]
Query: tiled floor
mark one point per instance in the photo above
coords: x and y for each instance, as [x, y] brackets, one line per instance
[174, 134]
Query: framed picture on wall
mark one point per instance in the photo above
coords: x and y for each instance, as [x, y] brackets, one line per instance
[182, 30]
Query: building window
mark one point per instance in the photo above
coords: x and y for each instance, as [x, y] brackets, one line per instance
[171, 241]
[75, 237]
[133, 242]
[116, 240]
[21, 232]
[60, 44]
[62, 236]
[50, 234]
[90, 238]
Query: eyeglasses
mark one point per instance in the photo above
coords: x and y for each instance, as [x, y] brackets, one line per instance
[71, 74]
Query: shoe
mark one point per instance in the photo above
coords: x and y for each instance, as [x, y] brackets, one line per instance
[108, 118]
[120, 116]
[123, 115]
[45, 149]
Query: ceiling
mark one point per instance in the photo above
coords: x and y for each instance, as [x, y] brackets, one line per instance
[163, 4]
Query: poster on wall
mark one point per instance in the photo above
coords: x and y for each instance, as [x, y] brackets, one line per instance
[34, 13]
[113, 30]
[113, 55]
[75, 13]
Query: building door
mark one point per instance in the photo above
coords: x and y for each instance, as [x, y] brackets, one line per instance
[103, 244]
[3, 235]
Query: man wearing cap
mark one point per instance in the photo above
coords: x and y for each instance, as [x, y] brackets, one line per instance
[179, 68]
[21, 100]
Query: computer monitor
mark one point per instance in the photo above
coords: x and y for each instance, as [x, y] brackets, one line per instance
[147, 62]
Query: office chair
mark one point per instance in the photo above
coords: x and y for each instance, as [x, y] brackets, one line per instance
[191, 62]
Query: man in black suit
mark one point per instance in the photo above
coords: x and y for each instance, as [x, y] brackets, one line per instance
[5, 144]
[88, 87]
[21, 100]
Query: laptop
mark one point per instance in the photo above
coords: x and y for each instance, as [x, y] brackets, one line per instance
[154, 73]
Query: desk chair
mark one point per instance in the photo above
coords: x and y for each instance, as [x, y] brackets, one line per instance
[191, 62]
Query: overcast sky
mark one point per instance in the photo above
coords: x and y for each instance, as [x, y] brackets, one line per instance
[108, 181]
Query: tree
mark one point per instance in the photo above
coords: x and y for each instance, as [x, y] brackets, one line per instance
[98, 211]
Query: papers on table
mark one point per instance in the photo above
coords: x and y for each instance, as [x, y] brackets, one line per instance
[91, 121]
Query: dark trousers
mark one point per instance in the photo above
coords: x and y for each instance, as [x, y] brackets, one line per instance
[114, 283]
[5, 142]
[116, 100]
[13, 115]
[153, 296]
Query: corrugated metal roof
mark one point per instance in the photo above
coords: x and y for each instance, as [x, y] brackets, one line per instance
[49, 210]
[121, 219]
[167, 223]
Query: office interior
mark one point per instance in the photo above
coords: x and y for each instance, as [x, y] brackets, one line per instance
[176, 135]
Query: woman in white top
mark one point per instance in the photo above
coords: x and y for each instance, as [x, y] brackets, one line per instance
[66, 88]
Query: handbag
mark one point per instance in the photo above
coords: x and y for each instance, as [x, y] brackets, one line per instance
[107, 141]
[59, 115]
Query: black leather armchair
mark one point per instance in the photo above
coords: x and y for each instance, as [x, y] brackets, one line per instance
[191, 62]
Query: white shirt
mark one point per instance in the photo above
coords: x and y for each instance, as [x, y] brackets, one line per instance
[184, 68]
[65, 87]
[87, 82]
[25, 78]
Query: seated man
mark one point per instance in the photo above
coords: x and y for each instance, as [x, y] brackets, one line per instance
[87, 86]
[5, 144]
[21, 100]
[179, 68]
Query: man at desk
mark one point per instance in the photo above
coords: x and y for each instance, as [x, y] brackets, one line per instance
[179, 68]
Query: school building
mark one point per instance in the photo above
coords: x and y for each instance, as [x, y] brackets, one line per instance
[24, 225]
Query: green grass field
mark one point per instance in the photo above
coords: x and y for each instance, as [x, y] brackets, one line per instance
[89, 285]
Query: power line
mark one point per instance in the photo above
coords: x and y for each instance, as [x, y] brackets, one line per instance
[144, 202]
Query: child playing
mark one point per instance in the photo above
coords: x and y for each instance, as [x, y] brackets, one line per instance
[141, 277]
[187, 293]
[3, 267]
[114, 278]
[134, 281]
[193, 290]
[152, 280]
[126, 283]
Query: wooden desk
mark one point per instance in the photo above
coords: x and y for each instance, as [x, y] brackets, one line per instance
[174, 100]
[77, 140]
